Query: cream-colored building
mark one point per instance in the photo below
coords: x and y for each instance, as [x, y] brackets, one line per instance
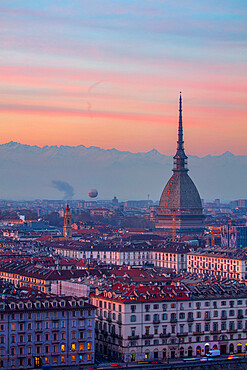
[218, 262]
[171, 257]
[142, 323]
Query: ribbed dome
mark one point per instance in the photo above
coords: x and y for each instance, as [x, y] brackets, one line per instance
[180, 193]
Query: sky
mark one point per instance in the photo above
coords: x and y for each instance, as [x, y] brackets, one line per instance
[108, 74]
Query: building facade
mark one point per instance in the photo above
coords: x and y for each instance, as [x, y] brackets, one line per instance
[46, 331]
[218, 262]
[145, 323]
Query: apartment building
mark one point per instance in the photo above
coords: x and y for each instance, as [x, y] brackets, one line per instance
[23, 274]
[141, 323]
[229, 264]
[173, 256]
[44, 330]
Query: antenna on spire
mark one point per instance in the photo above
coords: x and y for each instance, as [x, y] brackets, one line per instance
[180, 127]
[180, 159]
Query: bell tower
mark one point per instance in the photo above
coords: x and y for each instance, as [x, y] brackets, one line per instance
[67, 229]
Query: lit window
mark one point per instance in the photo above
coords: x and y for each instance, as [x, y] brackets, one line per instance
[73, 358]
[89, 346]
[62, 347]
[46, 360]
[62, 359]
[73, 347]
[81, 346]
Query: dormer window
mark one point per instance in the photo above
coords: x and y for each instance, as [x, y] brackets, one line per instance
[55, 304]
[62, 303]
[12, 306]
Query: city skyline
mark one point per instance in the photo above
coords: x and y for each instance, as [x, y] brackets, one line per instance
[109, 76]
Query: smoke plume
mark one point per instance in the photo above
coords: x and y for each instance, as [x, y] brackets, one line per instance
[65, 187]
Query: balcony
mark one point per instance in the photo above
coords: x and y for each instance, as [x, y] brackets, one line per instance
[190, 319]
[165, 335]
[215, 331]
[147, 336]
[174, 320]
[240, 316]
[234, 330]
[182, 334]
[108, 319]
[224, 317]
[156, 321]
[119, 322]
[133, 337]
[198, 332]
[207, 318]
[100, 317]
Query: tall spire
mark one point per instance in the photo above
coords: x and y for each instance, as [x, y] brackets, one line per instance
[180, 159]
[180, 126]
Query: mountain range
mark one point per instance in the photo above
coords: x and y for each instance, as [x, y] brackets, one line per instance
[33, 172]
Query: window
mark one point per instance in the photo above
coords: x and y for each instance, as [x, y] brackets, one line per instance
[156, 318]
[62, 347]
[89, 346]
[147, 317]
[133, 308]
[133, 318]
[73, 347]
[81, 346]
[62, 359]
[156, 306]
[147, 307]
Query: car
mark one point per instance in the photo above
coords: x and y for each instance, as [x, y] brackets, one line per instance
[116, 365]
[191, 359]
[213, 353]
[232, 357]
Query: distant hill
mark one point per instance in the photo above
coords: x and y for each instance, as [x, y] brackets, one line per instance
[27, 172]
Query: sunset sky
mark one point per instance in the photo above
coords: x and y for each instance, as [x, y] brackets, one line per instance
[108, 73]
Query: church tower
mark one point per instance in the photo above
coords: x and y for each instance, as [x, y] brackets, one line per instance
[180, 207]
[67, 229]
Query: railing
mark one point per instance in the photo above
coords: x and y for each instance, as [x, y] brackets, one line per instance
[224, 317]
[165, 335]
[133, 337]
[182, 334]
[156, 321]
[147, 336]
[173, 319]
[200, 332]
[190, 319]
